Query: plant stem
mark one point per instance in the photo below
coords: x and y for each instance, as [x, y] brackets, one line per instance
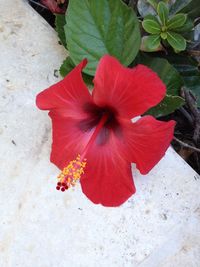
[186, 145]
[38, 4]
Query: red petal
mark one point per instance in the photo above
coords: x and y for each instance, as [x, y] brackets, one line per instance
[108, 178]
[147, 141]
[68, 139]
[52, 6]
[68, 96]
[130, 91]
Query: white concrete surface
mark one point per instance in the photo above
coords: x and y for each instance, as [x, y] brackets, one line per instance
[158, 227]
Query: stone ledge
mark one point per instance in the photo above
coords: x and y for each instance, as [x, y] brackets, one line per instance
[158, 226]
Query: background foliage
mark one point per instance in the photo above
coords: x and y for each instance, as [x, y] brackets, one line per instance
[157, 34]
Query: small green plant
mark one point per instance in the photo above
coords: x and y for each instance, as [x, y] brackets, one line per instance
[165, 29]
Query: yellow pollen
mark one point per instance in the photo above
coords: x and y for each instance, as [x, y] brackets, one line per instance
[71, 173]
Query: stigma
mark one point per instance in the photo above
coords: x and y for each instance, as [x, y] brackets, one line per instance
[71, 174]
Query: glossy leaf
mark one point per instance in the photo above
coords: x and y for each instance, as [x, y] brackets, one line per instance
[163, 12]
[60, 23]
[176, 41]
[186, 28]
[151, 43]
[168, 105]
[190, 7]
[168, 74]
[172, 79]
[145, 8]
[176, 21]
[95, 28]
[151, 25]
[188, 68]
[153, 3]
[179, 5]
[68, 66]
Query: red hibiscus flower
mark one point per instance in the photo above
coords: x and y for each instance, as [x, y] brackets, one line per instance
[94, 139]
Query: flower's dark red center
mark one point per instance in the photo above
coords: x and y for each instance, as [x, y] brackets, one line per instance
[75, 168]
[94, 114]
[102, 120]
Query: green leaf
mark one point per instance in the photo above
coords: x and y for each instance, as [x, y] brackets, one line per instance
[151, 25]
[188, 68]
[193, 83]
[167, 73]
[186, 28]
[60, 23]
[179, 5]
[177, 21]
[68, 65]
[163, 12]
[151, 43]
[176, 41]
[168, 105]
[190, 7]
[145, 8]
[153, 3]
[172, 79]
[95, 28]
